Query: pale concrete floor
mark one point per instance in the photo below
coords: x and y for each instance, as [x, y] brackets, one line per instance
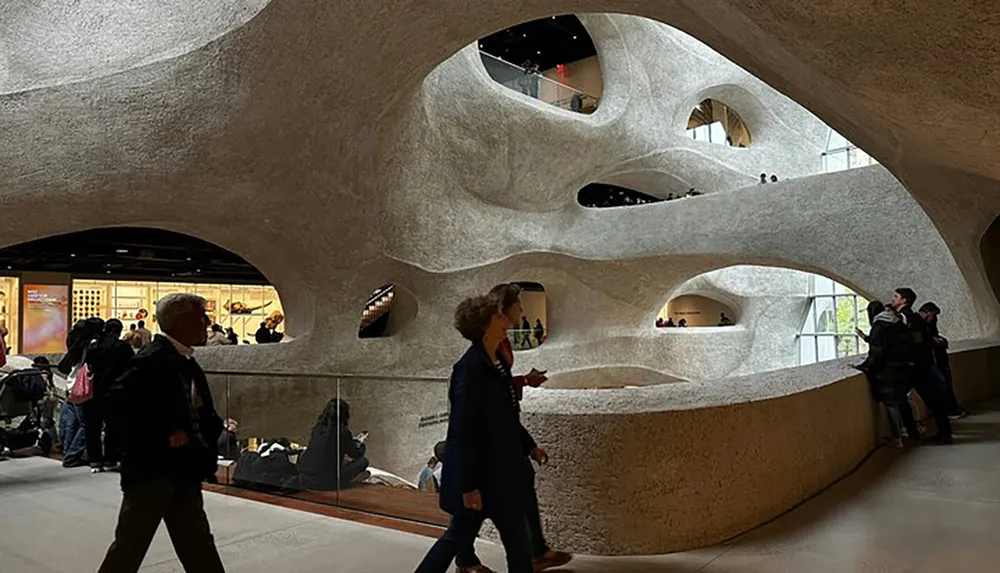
[931, 509]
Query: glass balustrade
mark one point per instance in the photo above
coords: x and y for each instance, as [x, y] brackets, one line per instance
[538, 86]
[353, 442]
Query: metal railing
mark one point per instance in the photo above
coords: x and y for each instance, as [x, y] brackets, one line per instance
[538, 86]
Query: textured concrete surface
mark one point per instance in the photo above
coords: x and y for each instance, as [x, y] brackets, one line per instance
[340, 146]
[924, 510]
[676, 466]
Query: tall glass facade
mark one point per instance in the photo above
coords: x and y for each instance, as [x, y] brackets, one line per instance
[828, 332]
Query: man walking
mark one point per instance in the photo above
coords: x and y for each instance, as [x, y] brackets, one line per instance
[171, 430]
[926, 381]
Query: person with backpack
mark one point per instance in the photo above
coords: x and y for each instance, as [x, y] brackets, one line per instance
[925, 376]
[72, 428]
[889, 370]
[107, 358]
[170, 431]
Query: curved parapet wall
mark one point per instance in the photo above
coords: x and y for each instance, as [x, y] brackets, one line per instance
[676, 466]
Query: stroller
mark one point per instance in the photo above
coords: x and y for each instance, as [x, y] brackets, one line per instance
[25, 419]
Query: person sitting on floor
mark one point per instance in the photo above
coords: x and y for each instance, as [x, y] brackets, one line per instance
[333, 450]
[426, 481]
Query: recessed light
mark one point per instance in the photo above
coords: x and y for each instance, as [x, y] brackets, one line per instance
[121, 251]
[574, 37]
[524, 35]
[539, 52]
[72, 254]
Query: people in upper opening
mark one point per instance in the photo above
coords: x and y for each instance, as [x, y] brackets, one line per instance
[670, 322]
[107, 358]
[670, 196]
[170, 432]
[889, 370]
[539, 332]
[229, 447]
[525, 332]
[216, 337]
[487, 474]
[724, 320]
[426, 481]
[231, 336]
[927, 379]
[763, 179]
[267, 333]
[930, 313]
[320, 464]
[682, 323]
[660, 322]
[774, 179]
[144, 334]
[576, 103]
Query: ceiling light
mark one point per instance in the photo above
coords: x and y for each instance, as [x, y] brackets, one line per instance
[539, 52]
[524, 35]
[189, 259]
[574, 37]
[121, 251]
[72, 254]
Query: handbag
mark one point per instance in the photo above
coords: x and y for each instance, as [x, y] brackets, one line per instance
[83, 385]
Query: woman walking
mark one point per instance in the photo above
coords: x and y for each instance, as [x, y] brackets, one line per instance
[487, 475]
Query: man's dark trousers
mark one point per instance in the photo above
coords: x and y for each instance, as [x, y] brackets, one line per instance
[179, 505]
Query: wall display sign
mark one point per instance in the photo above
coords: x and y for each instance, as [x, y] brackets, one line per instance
[46, 319]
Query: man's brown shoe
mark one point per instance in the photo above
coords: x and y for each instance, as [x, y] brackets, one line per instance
[474, 569]
[552, 559]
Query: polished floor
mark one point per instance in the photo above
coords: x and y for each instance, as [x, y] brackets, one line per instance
[929, 509]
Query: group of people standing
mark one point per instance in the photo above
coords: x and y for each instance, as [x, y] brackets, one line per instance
[906, 352]
[487, 471]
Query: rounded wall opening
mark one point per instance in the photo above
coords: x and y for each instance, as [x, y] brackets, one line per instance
[714, 122]
[696, 311]
[550, 59]
[121, 273]
[533, 328]
[388, 310]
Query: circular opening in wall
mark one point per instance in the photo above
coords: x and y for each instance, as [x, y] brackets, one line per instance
[692, 310]
[531, 330]
[551, 59]
[603, 195]
[715, 122]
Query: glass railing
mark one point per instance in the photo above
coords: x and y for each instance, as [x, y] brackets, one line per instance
[526, 338]
[355, 442]
[538, 86]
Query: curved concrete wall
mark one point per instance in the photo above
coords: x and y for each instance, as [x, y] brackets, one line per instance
[678, 466]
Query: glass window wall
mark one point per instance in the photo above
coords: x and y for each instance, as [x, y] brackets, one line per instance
[828, 332]
[240, 307]
[9, 297]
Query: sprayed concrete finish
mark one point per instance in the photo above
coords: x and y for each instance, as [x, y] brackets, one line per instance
[431, 177]
[678, 466]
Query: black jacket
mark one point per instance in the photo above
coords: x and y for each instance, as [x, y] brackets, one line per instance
[150, 402]
[889, 364]
[922, 344]
[318, 465]
[487, 448]
[107, 362]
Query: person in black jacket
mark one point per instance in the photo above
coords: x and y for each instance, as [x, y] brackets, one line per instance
[930, 313]
[889, 369]
[170, 431]
[925, 375]
[333, 458]
[107, 358]
[487, 473]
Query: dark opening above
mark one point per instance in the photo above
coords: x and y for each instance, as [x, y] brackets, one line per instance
[131, 252]
[603, 195]
[546, 42]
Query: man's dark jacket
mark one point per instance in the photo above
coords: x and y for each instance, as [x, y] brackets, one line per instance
[152, 401]
[487, 447]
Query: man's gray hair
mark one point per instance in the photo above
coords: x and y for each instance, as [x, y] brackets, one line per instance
[175, 305]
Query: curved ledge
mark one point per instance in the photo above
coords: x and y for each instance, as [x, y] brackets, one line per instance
[677, 466]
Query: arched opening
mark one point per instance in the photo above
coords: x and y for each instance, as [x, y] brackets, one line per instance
[693, 310]
[989, 249]
[715, 122]
[386, 312]
[533, 329]
[551, 59]
[603, 195]
[121, 273]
